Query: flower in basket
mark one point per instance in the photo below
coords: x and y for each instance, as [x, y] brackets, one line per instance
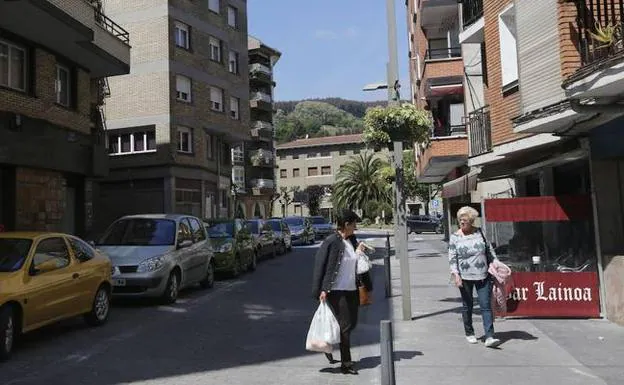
[404, 123]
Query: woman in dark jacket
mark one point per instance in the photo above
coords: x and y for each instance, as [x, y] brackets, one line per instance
[335, 281]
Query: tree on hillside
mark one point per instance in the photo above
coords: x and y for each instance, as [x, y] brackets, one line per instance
[360, 182]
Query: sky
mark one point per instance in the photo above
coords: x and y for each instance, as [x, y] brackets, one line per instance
[330, 48]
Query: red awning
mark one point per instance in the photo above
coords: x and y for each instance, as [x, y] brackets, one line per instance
[538, 209]
[461, 186]
[446, 90]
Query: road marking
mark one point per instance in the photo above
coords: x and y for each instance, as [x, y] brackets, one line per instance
[578, 371]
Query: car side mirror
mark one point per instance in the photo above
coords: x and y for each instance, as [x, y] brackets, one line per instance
[184, 243]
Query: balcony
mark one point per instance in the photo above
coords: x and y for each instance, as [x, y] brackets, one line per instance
[261, 158]
[433, 12]
[262, 131]
[75, 29]
[260, 73]
[480, 131]
[447, 150]
[238, 157]
[261, 100]
[443, 53]
[600, 38]
[472, 21]
[262, 183]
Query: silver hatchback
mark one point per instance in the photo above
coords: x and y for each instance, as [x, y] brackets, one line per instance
[157, 255]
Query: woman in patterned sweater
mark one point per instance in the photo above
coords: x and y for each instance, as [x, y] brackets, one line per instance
[468, 261]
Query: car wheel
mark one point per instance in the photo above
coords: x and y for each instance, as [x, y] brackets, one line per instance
[173, 287]
[8, 332]
[253, 264]
[100, 308]
[209, 280]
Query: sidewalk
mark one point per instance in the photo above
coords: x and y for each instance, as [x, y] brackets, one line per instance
[431, 348]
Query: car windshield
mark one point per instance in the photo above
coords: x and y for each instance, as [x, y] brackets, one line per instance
[318, 221]
[254, 227]
[221, 230]
[140, 232]
[294, 221]
[275, 225]
[13, 253]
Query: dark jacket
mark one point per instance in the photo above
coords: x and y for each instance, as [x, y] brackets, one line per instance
[327, 263]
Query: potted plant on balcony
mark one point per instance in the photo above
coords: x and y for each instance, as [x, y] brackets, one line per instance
[256, 158]
[608, 39]
[405, 123]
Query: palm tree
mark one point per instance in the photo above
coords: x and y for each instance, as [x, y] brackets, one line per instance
[361, 181]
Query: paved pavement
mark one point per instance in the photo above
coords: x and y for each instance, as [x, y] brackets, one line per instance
[252, 331]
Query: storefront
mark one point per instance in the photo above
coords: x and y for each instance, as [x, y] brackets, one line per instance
[548, 242]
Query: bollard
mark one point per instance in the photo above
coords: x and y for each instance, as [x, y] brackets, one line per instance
[388, 272]
[387, 353]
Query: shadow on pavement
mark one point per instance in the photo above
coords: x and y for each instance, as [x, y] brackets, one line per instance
[437, 313]
[374, 361]
[515, 335]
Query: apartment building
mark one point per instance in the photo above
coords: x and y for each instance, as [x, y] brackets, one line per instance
[545, 139]
[315, 162]
[54, 58]
[253, 170]
[172, 121]
[438, 85]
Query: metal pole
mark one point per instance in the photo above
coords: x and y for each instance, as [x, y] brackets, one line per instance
[393, 62]
[388, 272]
[400, 242]
[387, 354]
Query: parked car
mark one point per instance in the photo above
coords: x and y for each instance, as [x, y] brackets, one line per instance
[322, 227]
[282, 234]
[301, 230]
[233, 245]
[47, 277]
[265, 242]
[423, 223]
[157, 255]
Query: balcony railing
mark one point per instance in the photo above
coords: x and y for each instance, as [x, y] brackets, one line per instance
[600, 18]
[261, 125]
[260, 96]
[448, 130]
[261, 157]
[472, 10]
[109, 25]
[480, 131]
[443, 53]
[238, 157]
[260, 68]
[262, 183]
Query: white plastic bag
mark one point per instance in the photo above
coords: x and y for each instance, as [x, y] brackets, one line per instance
[324, 330]
[363, 263]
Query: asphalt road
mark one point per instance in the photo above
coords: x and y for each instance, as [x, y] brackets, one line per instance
[249, 330]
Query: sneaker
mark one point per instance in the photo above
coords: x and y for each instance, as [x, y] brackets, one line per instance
[471, 339]
[492, 342]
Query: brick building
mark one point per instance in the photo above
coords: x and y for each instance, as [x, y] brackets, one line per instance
[52, 88]
[173, 119]
[253, 169]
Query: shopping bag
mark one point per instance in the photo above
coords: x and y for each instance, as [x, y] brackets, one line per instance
[324, 330]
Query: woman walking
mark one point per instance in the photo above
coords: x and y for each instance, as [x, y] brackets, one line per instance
[334, 281]
[469, 259]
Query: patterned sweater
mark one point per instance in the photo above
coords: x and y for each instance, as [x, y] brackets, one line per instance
[469, 250]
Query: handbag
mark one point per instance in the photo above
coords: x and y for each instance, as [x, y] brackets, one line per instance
[365, 297]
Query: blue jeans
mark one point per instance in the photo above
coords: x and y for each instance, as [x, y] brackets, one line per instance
[484, 294]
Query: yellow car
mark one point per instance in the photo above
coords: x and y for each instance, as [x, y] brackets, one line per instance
[47, 277]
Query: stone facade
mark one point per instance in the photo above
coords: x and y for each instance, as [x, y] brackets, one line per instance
[40, 204]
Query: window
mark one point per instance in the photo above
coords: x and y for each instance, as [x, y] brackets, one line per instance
[216, 99]
[296, 173]
[209, 147]
[296, 156]
[132, 143]
[185, 140]
[508, 48]
[232, 16]
[312, 171]
[12, 66]
[184, 230]
[238, 176]
[183, 88]
[199, 233]
[214, 5]
[233, 62]
[343, 152]
[326, 170]
[325, 154]
[312, 155]
[82, 251]
[51, 254]
[234, 108]
[215, 49]
[226, 154]
[182, 35]
[63, 86]
[283, 173]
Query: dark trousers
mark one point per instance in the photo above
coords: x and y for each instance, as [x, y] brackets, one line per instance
[484, 294]
[345, 305]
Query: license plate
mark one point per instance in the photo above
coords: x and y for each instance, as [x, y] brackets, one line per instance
[119, 282]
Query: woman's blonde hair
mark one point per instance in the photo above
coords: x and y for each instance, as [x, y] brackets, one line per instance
[469, 212]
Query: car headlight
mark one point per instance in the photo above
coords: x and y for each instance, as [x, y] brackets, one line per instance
[151, 264]
[225, 248]
[115, 270]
